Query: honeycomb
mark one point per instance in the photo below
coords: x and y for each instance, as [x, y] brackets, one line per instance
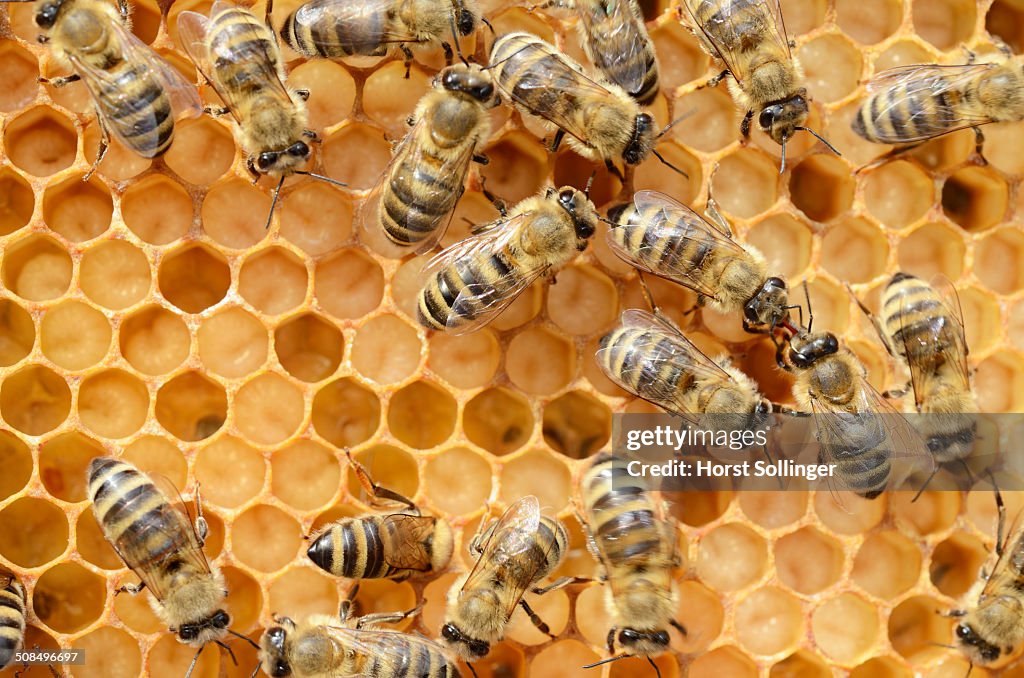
[147, 313]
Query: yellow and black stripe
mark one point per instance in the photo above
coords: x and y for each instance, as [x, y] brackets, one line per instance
[252, 47]
[317, 30]
[12, 617]
[400, 655]
[915, 318]
[911, 112]
[640, 359]
[437, 308]
[135, 106]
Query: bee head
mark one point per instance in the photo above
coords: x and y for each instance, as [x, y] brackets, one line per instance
[470, 80]
[768, 306]
[279, 162]
[805, 349]
[46, 14]
[579, 207]
[204, 630]
[642, 140]
[272, 652]
[781, 119]
[979, 650]
[643, 643]
[470, 648]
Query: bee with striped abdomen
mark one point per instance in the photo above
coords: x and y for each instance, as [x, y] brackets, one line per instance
[137, 94]
[153, 533]
[239, 56]
[925, 328]
[470, 283]
[603, 122]
[513, 553]
[342, 647]
[13, 607]
[341, 28]
[385, 545]
[636, 546]
[749, 38]
[912, 104]
[647, 355]
[425, 179]
[657, 234]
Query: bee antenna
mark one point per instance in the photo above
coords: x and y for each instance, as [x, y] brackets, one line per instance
[245, 638]
[607, 661]
[229, 651]
[606, 220]
[810, 312]
[483, 20]
[455, 37]
[672, 167]
[256, 670]
[321, 177]
[819, 138]
[192, 666]
[273, 204]
[672, 124]
[472, 670]
[782, 163]
[590, 182]
[654, 666]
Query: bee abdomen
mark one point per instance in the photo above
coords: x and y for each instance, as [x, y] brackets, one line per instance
[437, 307]
[353, 549]
[408, 218]
[144, 120]
[329, 38]
[12, 621]
[637, 358]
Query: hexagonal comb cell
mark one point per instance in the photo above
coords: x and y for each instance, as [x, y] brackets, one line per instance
[194, 278]
[16, 201]
[17, 333]
[78, 210]
[40, 141]
[157, 210]
[36, 268]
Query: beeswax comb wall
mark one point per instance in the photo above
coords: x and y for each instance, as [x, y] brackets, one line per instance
[147, 313]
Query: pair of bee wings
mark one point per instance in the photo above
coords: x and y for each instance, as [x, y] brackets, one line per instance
[509, 542]
[672, 348]
[664, 219]
[108, 90]
[1003, 574]
[617, 40]
[558, 77]
[169, 530]
[480, 303]
[933, 81]
[260, 63]
[410, 534]
[945, 336]
[367, 13]
[735, 21]
[384, 643]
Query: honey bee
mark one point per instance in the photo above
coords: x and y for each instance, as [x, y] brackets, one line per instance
[425, 179]
[239, 56]
[470, 283]
[344, 647]
[926, 330]
[614, 38]
[138, 96]
[512, 554]
[992, 631]
[13, 606]
[635, 544]
[749, 38]
[383, 546]
[341, 28]
[657, 234]
[912, 104]
[871, 445]
[603, 122]
[648, 356]
[161, 543]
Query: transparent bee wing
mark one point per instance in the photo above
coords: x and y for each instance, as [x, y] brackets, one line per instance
[934, 81]
[410, 534]
[558, 77]
[480, 303]
[381, 642]
[502, 556]
[617, 41]
[735, 21]
[668, 220]
[366, 13]
[1004, 573]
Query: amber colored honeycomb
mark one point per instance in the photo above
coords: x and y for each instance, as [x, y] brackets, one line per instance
[147, 313]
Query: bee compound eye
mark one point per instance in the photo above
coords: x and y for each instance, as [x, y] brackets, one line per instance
[449, 632]
[963, 631]
[280, 669]
[484, 91]
[266, 159]
[628, 636]
[661, 638]
[767, 117]
[221, 620]
[188, 632]
[299, 149]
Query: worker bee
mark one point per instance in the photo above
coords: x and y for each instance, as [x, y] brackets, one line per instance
[345, 647]
[239, 56]
[648, 356]
[635, 543]
[871, 445]
[470, 283]
[512, 554]
[749, 38]
[992, 631]
[383, 546]
[603, 122]
[138, 96]
[926, 330]
[162, 544]
[13, 606]
[341, 28]
[614, 38]
[657, 234]
[912, 104]
[425, 179]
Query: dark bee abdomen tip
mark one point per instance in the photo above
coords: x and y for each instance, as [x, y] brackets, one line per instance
[900, 275]
[320, 552]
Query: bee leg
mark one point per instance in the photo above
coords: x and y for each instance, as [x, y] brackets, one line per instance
[268, 18]
[131, 589]
[449, 55]
[535, 619]
[101, 152]
[979, 142]
[952, 614]
[559, 583]
[610, 641]
[557, 141]
[745, 125]
[375, 491]
[303, 94]
[481, 159]
[408, 59]
[711, 210]
[249, 165]
[202, 528]
[713, 82]
[311, 135]
[1001, 523]
[376, 619]
[613, 170]
[678, 627]
[498, 203]
[61, 81]
[345, 608]
[216, 111]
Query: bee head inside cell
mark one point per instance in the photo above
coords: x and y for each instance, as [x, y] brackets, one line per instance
[272, 652]
[642, 141]
[781, 119]
[805, 348]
